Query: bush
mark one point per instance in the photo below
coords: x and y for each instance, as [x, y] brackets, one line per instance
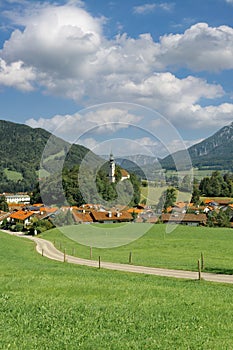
[18, 227]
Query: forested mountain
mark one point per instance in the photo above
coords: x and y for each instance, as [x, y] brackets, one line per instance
[215, 152]
[21, 149]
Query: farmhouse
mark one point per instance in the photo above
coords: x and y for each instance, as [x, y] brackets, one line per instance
[111, 216]
[186, 219]
[21, 216]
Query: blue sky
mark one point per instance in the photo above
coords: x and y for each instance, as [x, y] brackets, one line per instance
[173, 57]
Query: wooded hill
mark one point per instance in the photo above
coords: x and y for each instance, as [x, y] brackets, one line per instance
[21, 149]
[215, 152]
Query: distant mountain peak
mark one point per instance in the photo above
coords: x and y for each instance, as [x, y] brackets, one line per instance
[214, 152]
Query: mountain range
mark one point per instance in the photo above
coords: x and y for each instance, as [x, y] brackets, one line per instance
[21, 149]
[215, 152]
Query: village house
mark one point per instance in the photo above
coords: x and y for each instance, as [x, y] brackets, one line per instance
[82, 217]
[22, 217]
[111, 216]
[20, 198]
[185, 219]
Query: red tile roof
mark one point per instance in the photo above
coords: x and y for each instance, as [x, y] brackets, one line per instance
[82, 217]
[48, 210]
[21, 215]
[124, 173]
[180, 205]
[135, 210]
[201, 218]
[104, 216]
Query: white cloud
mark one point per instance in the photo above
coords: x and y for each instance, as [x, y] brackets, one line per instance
[63, 50]
[143, 9]
[16, 75]
[148, 8]
[79, 126]
[209, 116]
[124, 146]
[145, 145]
[93, 145]
[229, 1]
[200, 48]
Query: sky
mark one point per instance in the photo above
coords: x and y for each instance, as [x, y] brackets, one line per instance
[131, 76]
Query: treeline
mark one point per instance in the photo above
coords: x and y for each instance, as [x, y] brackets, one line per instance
[217, 185]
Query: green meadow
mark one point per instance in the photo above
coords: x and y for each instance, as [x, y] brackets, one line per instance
[45, 304]
[13, 175]
[153, 194]
[179, 249]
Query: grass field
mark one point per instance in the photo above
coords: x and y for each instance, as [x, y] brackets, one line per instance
[50, 305]
[179, 249]
[153, 194]
[13, 175]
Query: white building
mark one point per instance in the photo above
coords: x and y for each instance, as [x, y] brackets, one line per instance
[17, 198]
[112, 167]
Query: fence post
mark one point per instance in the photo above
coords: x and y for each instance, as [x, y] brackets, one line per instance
[202, 261]
[130, 257]
[199, 269]
[99, 262]
[64, 260]
[42, 252]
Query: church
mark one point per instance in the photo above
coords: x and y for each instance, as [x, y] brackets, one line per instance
[112, 168]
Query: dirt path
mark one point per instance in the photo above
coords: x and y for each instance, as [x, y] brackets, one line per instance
[47, 249]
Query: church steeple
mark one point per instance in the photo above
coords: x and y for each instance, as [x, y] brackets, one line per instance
[112, 167]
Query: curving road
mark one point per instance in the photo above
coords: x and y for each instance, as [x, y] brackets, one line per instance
[47, 249]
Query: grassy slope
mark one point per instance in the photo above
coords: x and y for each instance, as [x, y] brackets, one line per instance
[179, 249]
[13, 175]
[51, 305]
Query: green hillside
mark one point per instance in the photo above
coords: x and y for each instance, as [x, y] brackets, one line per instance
[21, 149]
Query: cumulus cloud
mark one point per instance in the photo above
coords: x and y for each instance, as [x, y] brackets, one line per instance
[63, 50]
[57, 39]
[124, 146]
[16, 75]
[200, 48]
[148, 8]
[78, 126]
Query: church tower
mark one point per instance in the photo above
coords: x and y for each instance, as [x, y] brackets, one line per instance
[112, 166]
